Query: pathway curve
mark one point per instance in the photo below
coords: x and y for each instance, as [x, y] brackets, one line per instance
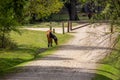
[75, 60]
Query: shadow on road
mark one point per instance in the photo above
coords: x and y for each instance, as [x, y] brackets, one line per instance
[74, 47]
[56, 58]
[50, 73]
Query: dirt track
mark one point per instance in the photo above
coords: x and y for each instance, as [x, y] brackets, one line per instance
[75, 60]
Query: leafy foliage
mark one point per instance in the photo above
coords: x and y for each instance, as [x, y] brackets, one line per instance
[7, 21]
[11, 14]
[110, 10]
[43, 8]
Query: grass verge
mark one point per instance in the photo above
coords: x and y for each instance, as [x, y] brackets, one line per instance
[110, 66]
[31, 45]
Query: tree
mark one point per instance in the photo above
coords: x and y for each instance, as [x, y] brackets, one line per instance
[9, 19]
[39, 9]
[110, 11]
[71, 7]
[19, 7]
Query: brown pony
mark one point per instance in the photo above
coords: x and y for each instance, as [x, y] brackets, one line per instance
[51, 36]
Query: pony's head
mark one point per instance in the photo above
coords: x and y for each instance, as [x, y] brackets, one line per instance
[56, 41]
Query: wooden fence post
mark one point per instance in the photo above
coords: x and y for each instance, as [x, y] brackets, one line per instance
[50, 25]
[71, 25]
[111, 29]
[63, 29]
[68, 26]
[53, 30]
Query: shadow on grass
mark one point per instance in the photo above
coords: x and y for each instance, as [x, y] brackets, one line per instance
[33, 51]
[12, 58]
[101, 77]
[7, 64]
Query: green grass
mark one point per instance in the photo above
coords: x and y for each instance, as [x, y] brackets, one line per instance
[29, 46]
[110, 68]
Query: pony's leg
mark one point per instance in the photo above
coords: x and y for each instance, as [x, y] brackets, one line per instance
[51, 42]
[48, 45]
[48, 42]
[56, 41]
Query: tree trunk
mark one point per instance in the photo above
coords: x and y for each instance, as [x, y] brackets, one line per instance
[3, 40]
[33, 18]
[72, 11]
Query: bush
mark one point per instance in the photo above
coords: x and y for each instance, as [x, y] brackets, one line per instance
[6, 42]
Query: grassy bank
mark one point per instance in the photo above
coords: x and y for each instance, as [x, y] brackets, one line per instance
[110, 66]
[30, 46]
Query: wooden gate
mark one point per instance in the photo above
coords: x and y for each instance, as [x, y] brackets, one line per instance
[80, 25]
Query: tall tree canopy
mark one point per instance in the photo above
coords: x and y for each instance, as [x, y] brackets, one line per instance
[71, 7]
[43, 8]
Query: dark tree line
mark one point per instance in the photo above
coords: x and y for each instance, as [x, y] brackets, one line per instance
[72, 10]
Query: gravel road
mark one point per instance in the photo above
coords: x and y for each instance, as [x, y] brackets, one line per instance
[75, 60]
